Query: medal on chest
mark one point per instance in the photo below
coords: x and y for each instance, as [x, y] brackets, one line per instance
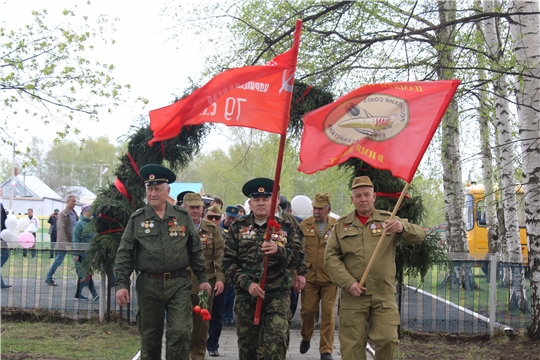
[174, 229]
[206, 240]
[147, 225]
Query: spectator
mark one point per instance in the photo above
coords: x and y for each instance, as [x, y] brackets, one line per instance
[64, 228]
[33, 227]
[5, 251]
[82, 236]
[52, 230]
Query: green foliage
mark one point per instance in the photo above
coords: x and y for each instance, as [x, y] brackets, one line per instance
[114, 208]
[416, 260]
[46, 71]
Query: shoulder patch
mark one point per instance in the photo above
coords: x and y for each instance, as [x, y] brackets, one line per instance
[137, 212]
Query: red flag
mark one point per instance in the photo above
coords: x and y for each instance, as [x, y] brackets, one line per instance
[388, 126]
[257, 97]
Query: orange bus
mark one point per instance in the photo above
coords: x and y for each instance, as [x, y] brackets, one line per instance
[475, 221]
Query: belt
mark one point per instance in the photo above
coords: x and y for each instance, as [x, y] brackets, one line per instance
[167, 275]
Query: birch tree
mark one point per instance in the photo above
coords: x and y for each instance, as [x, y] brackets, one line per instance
[517, 295]
[485, 114]
[526, 39]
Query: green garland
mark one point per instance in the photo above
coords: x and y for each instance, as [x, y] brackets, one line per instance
[113, 209]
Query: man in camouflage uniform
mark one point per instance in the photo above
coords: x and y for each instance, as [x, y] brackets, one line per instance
[243, 265]
[371, 310]
[212, 244]
[160, 242]
[319, 287]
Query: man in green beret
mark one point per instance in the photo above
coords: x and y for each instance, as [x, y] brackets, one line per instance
[369, 311]
[319, 288]
[160, 243]
[212, 244]
[243, 265]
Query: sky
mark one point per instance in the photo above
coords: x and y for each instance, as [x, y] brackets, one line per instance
[144, 56]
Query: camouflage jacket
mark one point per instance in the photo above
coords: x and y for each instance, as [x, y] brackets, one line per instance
[243, 258]
[213, 244]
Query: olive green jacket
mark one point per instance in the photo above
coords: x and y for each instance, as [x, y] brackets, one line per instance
[156, 245]
[314, 246]
[213, 246]
[351, 245]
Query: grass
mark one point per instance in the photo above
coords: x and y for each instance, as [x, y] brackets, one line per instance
[421, 346]
[72, 340]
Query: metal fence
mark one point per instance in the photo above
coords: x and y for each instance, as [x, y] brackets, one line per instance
[428, 306]
[435, 306]
[27, 274]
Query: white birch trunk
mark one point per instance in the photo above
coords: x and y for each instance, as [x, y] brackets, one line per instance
[517, 296]
[525, 31]
[486, 114]
[451, 158]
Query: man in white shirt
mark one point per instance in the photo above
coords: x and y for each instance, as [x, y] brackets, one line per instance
[32, 228]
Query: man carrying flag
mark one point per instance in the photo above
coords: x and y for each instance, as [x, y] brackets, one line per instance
[389, 126]
[371, 310]
[245, 246]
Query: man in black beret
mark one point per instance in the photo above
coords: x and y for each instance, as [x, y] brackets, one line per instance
[160, 242]
[242, 264]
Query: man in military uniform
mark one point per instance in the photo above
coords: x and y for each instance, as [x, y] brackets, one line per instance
[160, 242]
[319, 287]
[212, 244]
[243, 265]
[371, 310]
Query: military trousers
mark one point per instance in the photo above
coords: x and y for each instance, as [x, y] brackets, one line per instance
[274, 326]
[376, 316]
[313, 294]
[154, 298]
[199, 333]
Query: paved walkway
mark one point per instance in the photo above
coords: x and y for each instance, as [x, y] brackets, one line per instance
[228, 347]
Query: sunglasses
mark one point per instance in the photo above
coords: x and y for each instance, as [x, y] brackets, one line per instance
[213, 217]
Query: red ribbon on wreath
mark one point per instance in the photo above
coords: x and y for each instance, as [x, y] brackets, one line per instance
[122, 188]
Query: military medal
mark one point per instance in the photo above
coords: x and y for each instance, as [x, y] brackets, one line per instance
[147, 224]
[147, 231]
[142, 224]
[151, 223]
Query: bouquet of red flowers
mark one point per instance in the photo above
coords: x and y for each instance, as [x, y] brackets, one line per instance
[202, 308]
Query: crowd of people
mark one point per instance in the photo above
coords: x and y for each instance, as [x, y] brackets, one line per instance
[199, 252]
[200, 246]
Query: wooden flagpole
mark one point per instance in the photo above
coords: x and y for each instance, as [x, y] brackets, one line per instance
[383, 235]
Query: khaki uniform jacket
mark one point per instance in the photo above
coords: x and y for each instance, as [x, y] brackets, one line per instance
[64, 229]
[314, 246]
[351, 245]
[156, 245]
[213, 246]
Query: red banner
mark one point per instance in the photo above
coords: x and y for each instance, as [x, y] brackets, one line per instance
[257, 97]
[388, 126]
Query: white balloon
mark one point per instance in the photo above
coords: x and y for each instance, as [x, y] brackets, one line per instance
[6, 234]
[301, 205]
[22, 223]
[246, 206]
[14, 241]
[11, 222]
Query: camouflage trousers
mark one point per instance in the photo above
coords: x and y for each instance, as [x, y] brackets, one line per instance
[274, 325]
[154, 297]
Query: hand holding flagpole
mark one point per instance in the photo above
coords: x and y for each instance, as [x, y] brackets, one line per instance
[383, 236]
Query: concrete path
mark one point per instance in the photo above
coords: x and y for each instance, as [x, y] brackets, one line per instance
[228, 347]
